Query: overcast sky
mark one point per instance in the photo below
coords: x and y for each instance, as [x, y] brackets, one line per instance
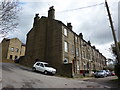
[92, 21]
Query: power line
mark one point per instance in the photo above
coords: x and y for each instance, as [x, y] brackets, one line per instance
[81, 8]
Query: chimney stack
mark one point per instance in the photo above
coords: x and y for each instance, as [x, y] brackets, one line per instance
[51, 12]
[81, 35]
[89, 42]
[69, 26]
[36, 19]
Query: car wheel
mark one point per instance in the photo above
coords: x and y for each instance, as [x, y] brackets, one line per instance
[33, 69]
[45, 72]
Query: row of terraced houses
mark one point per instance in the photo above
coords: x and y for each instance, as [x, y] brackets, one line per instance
[52, 41]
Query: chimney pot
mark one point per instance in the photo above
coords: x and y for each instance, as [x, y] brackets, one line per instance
[69, 26]
[89, 42]
[81, 35]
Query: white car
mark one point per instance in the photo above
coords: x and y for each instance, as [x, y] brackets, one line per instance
[108, 73]
[43, 67]
[100, 73]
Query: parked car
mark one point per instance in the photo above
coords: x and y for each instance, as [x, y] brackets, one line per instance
[100, 73]
[16, 60]
[113, 73]
[44, 68]
[108, 73]
[19, 59]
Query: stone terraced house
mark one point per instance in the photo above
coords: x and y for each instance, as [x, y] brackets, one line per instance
[52, 41]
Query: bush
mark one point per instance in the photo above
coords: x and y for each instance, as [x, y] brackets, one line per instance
[117, 70]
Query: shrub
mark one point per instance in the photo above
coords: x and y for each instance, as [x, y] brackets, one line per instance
[117, 70]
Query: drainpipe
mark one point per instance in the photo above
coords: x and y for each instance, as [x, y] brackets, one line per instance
[75, 60]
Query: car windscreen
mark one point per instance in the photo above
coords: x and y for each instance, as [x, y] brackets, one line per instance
[100, 71]
[47, 65]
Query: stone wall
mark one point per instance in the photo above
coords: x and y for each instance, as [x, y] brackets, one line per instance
[66, 70]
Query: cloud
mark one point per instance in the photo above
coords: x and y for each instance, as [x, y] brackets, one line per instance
[107, 49]
[119, 21]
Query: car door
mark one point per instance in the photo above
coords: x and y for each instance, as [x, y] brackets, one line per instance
[41, 67]
[37, 66]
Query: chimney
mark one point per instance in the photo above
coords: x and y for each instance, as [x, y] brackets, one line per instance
[69, 26]
[51, 12]
[36, 19]
[89, 42]
[81, 35]
[94, 47]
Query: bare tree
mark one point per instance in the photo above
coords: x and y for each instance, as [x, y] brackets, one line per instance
[8, 16]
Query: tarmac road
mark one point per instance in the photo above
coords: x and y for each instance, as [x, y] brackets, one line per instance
[109, 81]
[15, 76]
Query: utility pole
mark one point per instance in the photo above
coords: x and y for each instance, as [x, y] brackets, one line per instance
[113, 32]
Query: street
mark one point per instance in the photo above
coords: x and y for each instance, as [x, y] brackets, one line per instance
[108, 81]
[15, 76]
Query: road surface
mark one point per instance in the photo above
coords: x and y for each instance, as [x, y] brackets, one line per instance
[108, 81]
[15, 76]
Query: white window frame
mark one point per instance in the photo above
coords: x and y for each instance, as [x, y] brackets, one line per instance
[76, 39]
[77, 51]
[73, 51]
[65, 32]
[17, 50]
[12, 49]
[65, 46]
